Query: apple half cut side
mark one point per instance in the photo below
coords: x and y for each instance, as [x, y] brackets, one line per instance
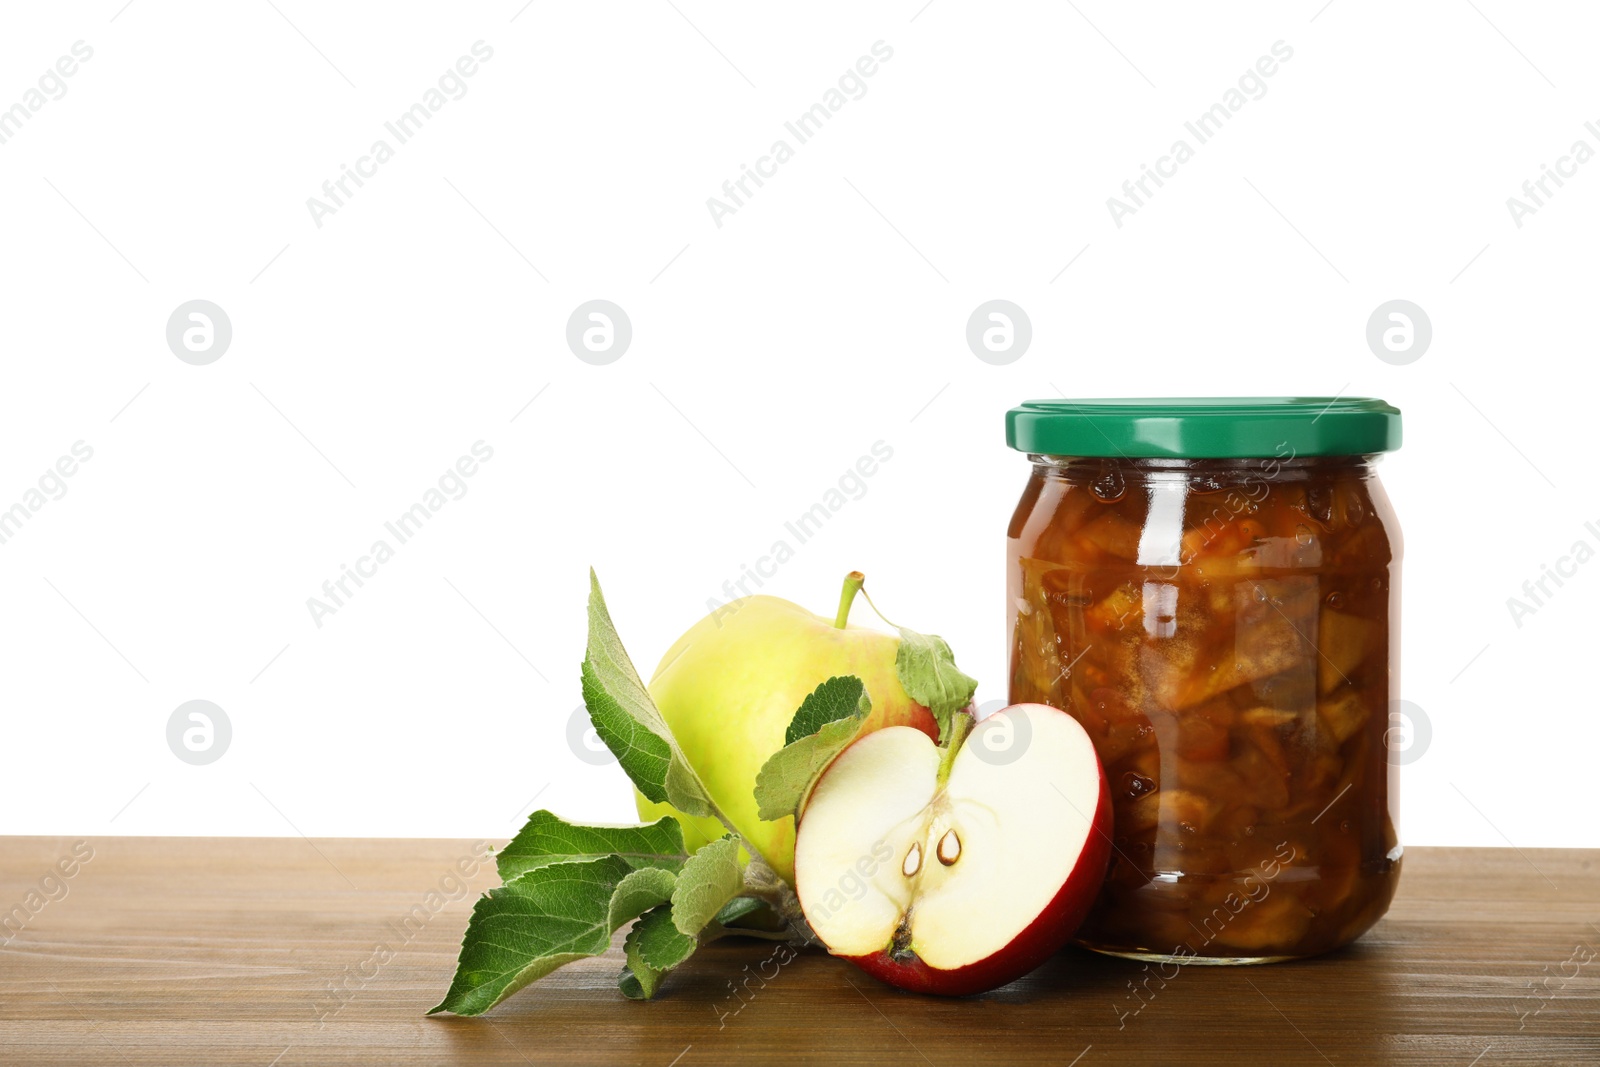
[959, 885]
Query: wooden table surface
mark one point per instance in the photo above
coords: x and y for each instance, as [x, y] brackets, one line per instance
[222, 951]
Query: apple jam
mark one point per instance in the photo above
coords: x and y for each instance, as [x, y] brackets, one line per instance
[1216, 602]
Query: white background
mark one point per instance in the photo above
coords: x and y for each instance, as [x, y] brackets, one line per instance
[768, 354]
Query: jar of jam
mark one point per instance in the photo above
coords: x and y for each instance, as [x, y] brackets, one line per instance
[1211, 587]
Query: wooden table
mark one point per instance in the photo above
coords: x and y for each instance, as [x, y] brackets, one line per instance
[221, 951]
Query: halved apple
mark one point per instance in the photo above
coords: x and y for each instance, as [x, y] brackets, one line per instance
[956, 872]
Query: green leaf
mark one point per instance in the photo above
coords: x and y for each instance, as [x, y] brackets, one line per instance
[709, 879]
[628, 721]
[547, 839]
[785, 781]
[659, 942]
[833, 699]
[653, 947]
[637, 893]
[632, 988]
[929, 675]
[748, 910]
[550, 916]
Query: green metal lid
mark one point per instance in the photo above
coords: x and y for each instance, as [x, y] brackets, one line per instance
[1205, 427]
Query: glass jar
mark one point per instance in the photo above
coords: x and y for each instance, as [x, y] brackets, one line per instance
[1211, 587]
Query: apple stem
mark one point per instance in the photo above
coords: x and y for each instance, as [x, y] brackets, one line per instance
[762, 882]
[847, 596]
[868, 598]
[961, 724]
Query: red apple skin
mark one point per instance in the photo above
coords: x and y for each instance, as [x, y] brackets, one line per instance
[1040, 940]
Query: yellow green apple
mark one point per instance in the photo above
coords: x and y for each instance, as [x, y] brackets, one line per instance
[730, 685]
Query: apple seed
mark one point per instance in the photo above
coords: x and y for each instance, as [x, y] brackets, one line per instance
[949, 848]
[913, 862]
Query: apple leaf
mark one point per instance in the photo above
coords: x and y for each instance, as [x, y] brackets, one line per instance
[834, 699]
[635, 987]
[833, 713]
[638, 892]
[929, 675]
[709, 879]
[748, 913]
[547, 839]
[629, 722]
[653, 947]
[547, 917]
[658, 941]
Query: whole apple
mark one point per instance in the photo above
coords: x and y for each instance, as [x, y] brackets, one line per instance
[730, 685]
